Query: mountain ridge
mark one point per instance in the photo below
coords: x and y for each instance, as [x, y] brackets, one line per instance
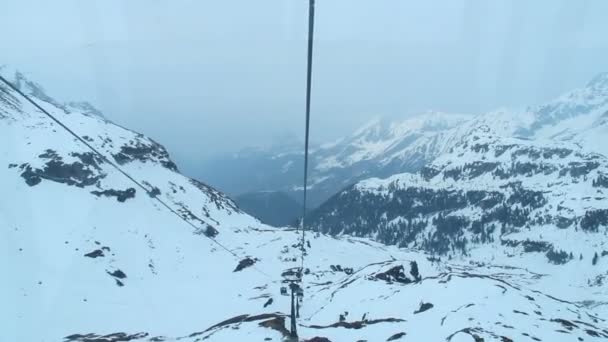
[381, 148]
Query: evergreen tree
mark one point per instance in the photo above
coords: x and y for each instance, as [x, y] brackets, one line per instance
[595, 257]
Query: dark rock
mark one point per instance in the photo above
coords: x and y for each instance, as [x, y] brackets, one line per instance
[244, 318]
[143, 152]
[424, 307]
[565, 323]
[276, 323]
[357, 324]
[84, 173]
[595, 333]
[95, 254]
[117, 274]
[394, 274]
[116, 337]
[88, 158]
[247, 262]
[31, 179]
[210, 232]
[396, 336]
[154, 192]
[121, 195]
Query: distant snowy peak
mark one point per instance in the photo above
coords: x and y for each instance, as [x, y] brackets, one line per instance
[592, 100]
[385, 139]
[502, 122]
[85, 108]
[579, 116]
[382, 129]
[431, 121]
[22, 82]
[599, 82]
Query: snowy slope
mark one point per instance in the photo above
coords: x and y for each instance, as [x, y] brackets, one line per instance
[85, 258]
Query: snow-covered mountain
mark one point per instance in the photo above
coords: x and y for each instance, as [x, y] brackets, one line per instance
[380, 148]
[485, 190]
[87, 256]
[580, 116]
[505, 188]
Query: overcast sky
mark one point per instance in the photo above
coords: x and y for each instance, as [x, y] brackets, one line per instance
[204, 77]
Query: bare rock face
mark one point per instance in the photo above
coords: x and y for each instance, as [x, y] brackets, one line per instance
[397, 274]
[243, 264]
[121, 195]
[84, 172]
[142, 151]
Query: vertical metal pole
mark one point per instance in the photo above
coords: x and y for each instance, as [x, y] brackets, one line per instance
[298, 307]
[311, 26]
[294, 332]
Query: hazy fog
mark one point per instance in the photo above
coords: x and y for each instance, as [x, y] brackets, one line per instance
[204, 77]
